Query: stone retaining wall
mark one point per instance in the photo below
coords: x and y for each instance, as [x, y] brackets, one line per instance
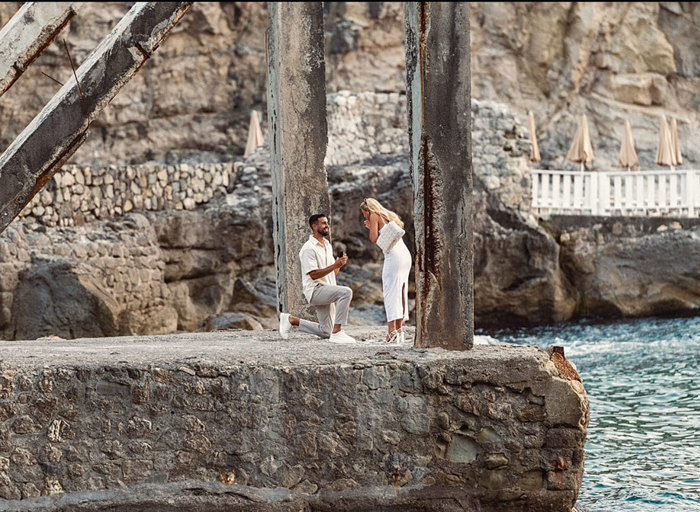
[361, 127]
[349, 428]
[365, 125]
[501, 154]
[79, 194]
[78, 282]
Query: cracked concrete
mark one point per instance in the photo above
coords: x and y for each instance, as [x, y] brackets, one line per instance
[335, 427]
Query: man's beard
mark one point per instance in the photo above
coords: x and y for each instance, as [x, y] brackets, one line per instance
[325, 232]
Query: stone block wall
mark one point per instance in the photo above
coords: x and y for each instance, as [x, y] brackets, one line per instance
[501, 154]
[365, 125]
[362, 127]
[78, 194]
[491, 429]
[368, 125]
[80, 282]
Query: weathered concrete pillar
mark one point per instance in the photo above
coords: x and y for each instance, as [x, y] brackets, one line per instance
[61, 127]
[298, 136]
[439, 110]
[24, 37]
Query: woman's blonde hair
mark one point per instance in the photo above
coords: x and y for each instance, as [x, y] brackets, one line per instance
[372, 206]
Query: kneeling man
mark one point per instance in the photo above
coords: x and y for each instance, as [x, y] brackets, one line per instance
[332, 302]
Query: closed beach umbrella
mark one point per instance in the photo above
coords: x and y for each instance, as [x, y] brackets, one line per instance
[628, 156]
[664, 152]
[581, 149]
[255, 136]
[676, 143]
[534, 149]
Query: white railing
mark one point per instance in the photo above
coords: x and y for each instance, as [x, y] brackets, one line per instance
[645, 193]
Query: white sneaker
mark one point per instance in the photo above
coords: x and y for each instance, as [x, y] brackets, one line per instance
[285, 325]
[341, 337]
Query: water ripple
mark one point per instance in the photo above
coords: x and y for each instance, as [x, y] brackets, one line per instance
[642, 380]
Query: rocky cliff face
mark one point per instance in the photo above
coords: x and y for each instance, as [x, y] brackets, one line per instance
[190, 102]
[639, 267]
[612, 61]
[209, 264]
[173, 269]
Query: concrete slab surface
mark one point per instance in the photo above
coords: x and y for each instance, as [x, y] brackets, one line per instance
[236, 347]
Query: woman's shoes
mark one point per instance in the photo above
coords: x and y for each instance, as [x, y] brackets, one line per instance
[393, 338]
[396, 337]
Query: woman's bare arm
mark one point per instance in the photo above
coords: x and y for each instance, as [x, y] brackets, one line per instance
[373, 227]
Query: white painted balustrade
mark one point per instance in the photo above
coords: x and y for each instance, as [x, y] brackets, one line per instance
[630, 193]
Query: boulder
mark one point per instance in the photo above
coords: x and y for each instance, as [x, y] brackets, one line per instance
[55, 297]
[641, 268]
[197, 298]
[102, 279]
[258, 299]
[368, 315]
[63, 297]
[365, 281]
[517, 276]
[384, 178]
[224, 321]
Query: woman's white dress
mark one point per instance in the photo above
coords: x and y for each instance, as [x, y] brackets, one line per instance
[397, 266]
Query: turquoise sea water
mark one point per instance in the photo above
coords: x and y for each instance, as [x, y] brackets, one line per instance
[643, 382]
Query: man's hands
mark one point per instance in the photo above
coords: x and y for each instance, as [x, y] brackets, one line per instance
[335, 267]
[341, 261]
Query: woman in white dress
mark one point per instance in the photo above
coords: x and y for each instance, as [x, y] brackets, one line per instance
[397, 266]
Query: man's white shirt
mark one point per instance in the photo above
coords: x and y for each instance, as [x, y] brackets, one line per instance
[315, 256]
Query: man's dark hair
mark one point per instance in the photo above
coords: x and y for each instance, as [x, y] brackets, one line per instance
[315, 218]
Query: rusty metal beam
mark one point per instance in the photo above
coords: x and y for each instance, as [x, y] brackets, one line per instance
[33, 27]
[439, 119]
[61, 127]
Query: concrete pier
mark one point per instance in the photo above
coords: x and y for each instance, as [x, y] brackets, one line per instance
[241, 420]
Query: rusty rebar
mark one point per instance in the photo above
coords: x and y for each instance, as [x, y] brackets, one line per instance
[52, 78]
[80, 89]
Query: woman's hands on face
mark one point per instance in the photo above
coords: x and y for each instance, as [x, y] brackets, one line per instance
[372, 226]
